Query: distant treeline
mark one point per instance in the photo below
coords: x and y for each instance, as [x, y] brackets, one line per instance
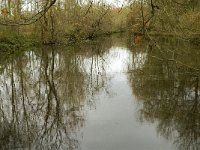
[61, 20]
[68, 21]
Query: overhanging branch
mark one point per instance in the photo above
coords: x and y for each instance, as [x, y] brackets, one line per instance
[32, 19]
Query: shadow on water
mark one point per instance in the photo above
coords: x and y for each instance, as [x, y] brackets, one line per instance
[166, 78]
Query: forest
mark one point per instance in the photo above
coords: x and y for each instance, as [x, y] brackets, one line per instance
[99, 74]
[25, 22]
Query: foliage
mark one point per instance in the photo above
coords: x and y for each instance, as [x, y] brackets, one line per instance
[177, 17]
[64, 21]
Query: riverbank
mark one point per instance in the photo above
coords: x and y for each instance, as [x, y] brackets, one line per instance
[14, 42]
[20, 42]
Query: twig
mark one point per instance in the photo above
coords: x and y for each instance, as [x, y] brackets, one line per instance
[30, 20]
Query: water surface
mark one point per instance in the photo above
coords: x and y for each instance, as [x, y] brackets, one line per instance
[101, 95]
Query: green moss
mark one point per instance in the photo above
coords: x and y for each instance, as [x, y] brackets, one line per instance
[12, 43]
[5, 47]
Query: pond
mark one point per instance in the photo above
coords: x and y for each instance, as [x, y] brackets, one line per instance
[103, 95]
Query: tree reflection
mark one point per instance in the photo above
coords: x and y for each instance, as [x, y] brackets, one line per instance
[166, 81]
[43, 95]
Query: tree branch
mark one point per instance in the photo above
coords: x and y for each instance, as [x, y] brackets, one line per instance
[32, 19]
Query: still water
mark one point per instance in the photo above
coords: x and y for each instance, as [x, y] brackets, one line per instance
[103, 95]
